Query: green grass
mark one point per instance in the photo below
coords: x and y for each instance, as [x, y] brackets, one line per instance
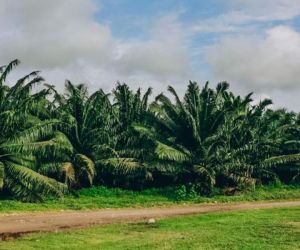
[256, 229]
[101, 197]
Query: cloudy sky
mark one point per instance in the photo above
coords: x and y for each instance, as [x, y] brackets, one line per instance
[252, 44]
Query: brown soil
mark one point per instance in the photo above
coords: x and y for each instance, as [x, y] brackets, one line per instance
[15, 225]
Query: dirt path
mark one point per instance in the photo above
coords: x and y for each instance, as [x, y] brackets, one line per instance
[12, 226]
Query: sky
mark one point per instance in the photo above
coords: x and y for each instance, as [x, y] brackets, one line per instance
[252, 44]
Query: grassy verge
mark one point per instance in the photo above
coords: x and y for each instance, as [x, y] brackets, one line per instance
[100, 197]
[257, 229]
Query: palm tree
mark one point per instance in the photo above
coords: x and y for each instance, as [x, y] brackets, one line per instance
[85, 120]
[127, 166]
[186, 132]
[214, 133]
[22, 137]
[50, 141]
[254, 145]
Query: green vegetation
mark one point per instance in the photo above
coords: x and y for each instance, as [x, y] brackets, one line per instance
[258, 229]
[101, 197]
[52, 144]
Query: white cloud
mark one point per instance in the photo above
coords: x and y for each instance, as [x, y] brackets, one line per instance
[227, 22]
[271, 61]
[64, 40]
[267, 9]
[253, 54]
[241, 13]
[52, 33]
[286, 98]
[165, 54]
[268, 65]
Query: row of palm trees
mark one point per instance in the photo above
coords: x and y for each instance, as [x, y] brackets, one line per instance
[51, 142]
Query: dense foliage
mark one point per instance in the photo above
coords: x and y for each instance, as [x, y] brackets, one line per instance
[52, 143]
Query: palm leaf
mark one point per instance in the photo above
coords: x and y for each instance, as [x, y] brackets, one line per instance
[87, 165]
[280, 160]
[166, 152]
[5, 70]
[122, 165]
[27, 182]
[69, 173]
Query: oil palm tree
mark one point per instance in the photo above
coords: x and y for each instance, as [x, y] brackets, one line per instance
[23, 137]
[186, 131]
[86, 121]
[127, 166]
[255, 145]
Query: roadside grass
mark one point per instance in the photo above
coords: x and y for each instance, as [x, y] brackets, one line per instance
[101, 197]
[256, 229]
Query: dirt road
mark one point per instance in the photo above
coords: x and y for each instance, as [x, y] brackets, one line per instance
[14, 225]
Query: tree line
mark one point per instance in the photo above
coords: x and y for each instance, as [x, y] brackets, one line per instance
[52, 143]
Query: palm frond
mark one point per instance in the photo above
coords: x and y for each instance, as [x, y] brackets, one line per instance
[122, 165]
[5, 70]
[69, 173]
[26, 183]
[280, 160]
[87, 165]
[166, 152]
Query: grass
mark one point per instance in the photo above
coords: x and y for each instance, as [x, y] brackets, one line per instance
[101, 197]
[256, 229]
